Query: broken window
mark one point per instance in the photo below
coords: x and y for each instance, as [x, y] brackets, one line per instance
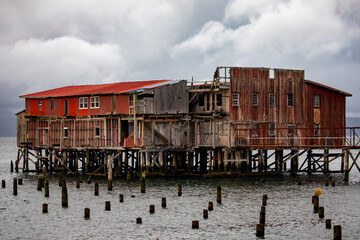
[272, 99]
[290, 100]
[201, 100]
[255, 99]
[219, 99]
[235, 99]
[66, 132]
[97, 131]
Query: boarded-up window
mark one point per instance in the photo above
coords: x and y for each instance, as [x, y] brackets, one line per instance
[272, 99]
[255, 73]
[255, 99]
[292, 130]
[290, 98]
[235, 99]
[40, 104]
[316, 101]
[219, 99]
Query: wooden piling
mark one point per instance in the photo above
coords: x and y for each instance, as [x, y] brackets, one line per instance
[263, 208]
[328, 223]
[3, 184]
[142, 184]
[46, 193]
[138, 220]
[260, 230]
[60, 181]
[15, 187]
[121, 198]
[152, 209]
[163, 202]
[128, 176]
[316, 204]
[64, 195]
[210, 206]
[11, 166]
[45, 208]
[321, 212]
[77, 183]
[87, 213]
[96, 190]
[218, 196]
[326, 182]
[39, 184]
[109, 185]
[262, 217]
[333, 183]
[299, 182]
[195, 224]
[264, 201]
[20, 181]
[179, 190]
[205, 213]
[337, 232]
[265, 196]
[107, 205]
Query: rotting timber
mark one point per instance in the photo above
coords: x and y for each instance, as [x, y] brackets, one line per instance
[246, 121]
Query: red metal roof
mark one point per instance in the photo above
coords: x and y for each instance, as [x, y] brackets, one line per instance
[98, 89]
[327, 87]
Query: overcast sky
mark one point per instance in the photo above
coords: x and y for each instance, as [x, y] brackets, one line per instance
[46, 44]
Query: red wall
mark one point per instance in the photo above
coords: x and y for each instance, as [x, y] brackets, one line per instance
[106, 106]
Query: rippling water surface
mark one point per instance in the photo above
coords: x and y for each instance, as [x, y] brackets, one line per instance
[289, 211]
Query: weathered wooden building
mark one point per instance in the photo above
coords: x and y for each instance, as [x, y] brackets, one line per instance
[177, 126]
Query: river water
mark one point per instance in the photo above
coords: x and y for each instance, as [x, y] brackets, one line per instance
[289, 211]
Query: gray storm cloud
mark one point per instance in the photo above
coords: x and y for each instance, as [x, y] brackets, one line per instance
[48, 44]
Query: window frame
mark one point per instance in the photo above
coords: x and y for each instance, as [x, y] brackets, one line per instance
[218, 99]
[235, 99]
[316, 100]
[272, 129]
[40, 104]
[52, 104]
[82, 103]
[317, 130]
[255, 99]
[273, 98]
[66, 132]
[131, 100]
[95, 102]
[97, 132]
[290, 100]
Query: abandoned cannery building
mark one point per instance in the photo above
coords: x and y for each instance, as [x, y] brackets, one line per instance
[234, 123]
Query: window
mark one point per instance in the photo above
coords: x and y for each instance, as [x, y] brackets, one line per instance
[201, 100]
[272, 99]
[235, 99]
[255, 129]
[52, 104]
[219, 99]
[272, 129]
[316, 101]
[271, 73]
[66, 107]
[83, 103]
[97, 131]
[40, 104]
[131, 100]
[254, 99]
[317, 130]
[66, 132]
[290, 100]
[94, 101]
